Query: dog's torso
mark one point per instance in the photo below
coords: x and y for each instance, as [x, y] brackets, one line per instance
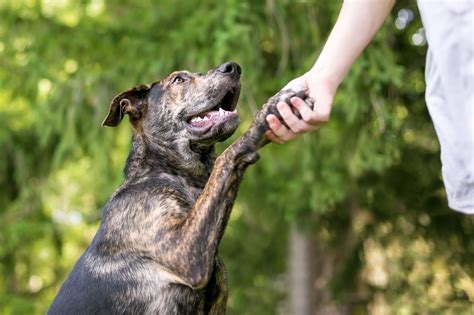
[119, 275]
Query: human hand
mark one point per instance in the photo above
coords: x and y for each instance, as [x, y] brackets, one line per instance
[322, 91]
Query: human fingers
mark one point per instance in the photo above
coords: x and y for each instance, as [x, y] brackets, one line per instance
[315, 116]
[273, 137]
[279, 129]
[295, 124]
[305, 111]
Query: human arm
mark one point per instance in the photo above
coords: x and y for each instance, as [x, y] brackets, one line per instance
[357, 24]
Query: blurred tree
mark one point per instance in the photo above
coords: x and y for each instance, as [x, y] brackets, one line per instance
[365, 190]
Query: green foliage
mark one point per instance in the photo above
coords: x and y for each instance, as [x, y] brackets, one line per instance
[367, 185]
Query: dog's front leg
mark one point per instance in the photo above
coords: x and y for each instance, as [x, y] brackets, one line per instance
[203, 229]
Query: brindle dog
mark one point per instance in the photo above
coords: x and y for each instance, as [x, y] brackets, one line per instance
[156, 249]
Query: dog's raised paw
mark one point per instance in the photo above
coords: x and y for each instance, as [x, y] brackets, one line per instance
[285, 96]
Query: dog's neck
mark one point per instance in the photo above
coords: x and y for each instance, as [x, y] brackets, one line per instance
[150, 159]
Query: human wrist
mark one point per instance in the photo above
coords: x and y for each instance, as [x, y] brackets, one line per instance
[321, 76]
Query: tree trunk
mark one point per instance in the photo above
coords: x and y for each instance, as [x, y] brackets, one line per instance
[301, 271]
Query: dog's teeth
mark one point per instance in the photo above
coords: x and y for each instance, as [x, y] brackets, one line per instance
[205, 118]
[196, 119]
[221, 112]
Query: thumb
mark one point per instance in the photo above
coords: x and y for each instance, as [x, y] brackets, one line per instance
[297, 84]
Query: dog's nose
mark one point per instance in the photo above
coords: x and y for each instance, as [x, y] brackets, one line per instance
[230, 68]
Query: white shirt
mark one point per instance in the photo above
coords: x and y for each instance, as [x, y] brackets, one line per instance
[449, 28]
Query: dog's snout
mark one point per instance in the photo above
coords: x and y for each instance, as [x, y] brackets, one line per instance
[230, 68]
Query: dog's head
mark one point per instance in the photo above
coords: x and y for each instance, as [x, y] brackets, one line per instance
[184, 106]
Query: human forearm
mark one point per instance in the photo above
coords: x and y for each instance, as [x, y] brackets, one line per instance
[357, 24]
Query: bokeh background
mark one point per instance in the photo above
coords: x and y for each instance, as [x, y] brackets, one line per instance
[351, 219]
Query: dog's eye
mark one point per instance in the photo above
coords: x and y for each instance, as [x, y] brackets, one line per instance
[177, 80]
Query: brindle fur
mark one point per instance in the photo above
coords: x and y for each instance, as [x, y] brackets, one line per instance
[156, 249]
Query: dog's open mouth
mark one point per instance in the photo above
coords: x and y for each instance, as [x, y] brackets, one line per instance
[221, 112]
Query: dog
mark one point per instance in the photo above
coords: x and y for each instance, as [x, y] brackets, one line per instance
[155, 251]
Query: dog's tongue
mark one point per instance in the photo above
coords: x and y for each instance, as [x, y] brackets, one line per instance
[204, 119]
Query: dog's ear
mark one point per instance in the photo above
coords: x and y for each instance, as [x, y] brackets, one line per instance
[129, 102]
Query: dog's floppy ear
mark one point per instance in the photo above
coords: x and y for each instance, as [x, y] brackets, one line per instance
[129, 102]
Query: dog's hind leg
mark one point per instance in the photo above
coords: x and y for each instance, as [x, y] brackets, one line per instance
[216, 294]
